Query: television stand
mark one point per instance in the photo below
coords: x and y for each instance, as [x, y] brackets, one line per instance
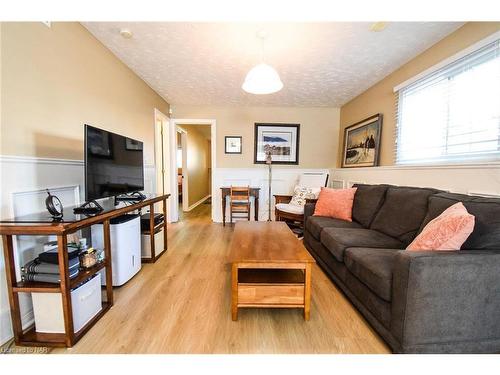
[42, 224]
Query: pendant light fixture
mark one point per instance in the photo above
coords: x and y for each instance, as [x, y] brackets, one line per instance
[262, 78]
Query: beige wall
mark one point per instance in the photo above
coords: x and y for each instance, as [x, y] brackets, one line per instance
[318, 131]
[380, 97]
[198, 163]
[56, 79]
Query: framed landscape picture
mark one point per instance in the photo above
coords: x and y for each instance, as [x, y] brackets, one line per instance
[233, 144]
[362, 143]
[282, 140]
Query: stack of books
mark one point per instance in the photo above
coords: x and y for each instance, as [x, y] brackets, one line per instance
[45, 268]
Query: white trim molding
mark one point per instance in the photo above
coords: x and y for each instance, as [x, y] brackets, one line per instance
[401, 167]
[37, 160]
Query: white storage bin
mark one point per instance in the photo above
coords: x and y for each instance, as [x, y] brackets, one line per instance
[146, 244]
[85, 300]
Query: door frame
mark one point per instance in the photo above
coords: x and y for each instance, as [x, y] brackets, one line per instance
[162, 156]
[173, 159]
[185, 174]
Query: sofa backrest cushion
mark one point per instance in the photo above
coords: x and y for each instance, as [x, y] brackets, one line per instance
[367, 201]
[402, 212]
[486, 234]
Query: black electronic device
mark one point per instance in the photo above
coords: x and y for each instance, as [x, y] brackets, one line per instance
[114, 164]
[158, 219]
[135, 196]
[88, 208]
[54, 206]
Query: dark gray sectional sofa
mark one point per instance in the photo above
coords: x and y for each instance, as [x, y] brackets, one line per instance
[419, 302]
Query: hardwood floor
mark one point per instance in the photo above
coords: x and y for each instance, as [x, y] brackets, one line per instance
[182, 304]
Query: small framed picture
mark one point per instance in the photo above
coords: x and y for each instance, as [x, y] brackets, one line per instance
[233, 144]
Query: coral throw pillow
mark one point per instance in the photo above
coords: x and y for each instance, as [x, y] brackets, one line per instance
[335, 203]
[448, 231]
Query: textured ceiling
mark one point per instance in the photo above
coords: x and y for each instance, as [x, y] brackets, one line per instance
[320, 64]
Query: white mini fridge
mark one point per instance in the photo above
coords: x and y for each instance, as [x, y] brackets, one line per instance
[125, 236]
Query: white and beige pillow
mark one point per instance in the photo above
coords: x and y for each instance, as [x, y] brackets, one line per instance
[301, 193]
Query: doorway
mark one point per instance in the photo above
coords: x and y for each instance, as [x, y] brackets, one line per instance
[193, 157]
[193, 166]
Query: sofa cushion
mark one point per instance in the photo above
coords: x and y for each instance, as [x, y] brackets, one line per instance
[486, 211]
[359, 294]
[367, 201]
[337, 240]
[373, 267]
[402, 213]
[315, 224]
[290, 208]
[335, 203]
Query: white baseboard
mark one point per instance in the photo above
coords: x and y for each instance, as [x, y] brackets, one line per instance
[196, 204]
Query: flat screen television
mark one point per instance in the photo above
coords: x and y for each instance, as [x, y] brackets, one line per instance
[113, 164]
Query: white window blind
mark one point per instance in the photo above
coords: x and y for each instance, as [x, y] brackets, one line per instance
[452, 114]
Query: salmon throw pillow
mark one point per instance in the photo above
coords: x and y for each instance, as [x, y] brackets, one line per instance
[335, 203]
[448, 231]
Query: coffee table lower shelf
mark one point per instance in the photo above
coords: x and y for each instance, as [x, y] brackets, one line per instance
[271, 287]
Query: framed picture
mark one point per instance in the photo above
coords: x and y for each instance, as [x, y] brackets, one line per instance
[362, 143]
[233, 144]
[282, 140]
[133, 145]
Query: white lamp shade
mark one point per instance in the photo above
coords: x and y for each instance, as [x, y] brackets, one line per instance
[262, 79]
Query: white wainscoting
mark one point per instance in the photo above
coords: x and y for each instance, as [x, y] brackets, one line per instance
[22, 191]
[475, 179]
[283, 182]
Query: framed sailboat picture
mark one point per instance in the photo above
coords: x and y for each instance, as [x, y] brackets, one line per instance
[281, 140]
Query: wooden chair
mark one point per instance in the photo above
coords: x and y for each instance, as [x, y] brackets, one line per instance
[284, 211]
[239, 202]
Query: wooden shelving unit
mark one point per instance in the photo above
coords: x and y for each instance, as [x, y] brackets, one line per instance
[41, 287]
[11, 228]
[86, 273]
[155, 255]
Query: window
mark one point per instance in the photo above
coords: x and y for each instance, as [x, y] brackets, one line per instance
[453, 113]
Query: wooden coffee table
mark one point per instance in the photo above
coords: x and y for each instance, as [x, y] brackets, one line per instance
[270, 268]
